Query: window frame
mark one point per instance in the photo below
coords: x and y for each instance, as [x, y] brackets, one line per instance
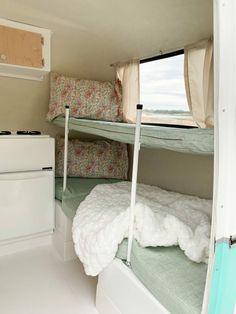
[163, 56]
[159, 57]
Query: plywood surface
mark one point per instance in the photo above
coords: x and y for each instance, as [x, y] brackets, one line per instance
[20, 47]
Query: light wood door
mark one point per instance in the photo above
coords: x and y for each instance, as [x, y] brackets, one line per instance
[20, 47]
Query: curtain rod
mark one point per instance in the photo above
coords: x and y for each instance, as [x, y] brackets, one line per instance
[163, 56]
[159, 53]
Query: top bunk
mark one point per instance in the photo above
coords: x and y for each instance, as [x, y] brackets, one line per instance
[99, 107]
[192, 141]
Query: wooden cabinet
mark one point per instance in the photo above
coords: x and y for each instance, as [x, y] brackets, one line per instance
[24, 50]
[20, 47]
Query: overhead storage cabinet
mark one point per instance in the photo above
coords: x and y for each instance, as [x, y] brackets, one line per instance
[24, 50]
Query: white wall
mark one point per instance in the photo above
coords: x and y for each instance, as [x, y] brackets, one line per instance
[184, 173]
[87, 37]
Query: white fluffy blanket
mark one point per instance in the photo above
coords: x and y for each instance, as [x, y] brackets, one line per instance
[162, 219]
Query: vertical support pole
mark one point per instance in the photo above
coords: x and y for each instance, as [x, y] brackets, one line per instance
[134, 181]
[67, 115]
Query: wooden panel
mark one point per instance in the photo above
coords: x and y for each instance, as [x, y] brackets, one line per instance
[19, 47]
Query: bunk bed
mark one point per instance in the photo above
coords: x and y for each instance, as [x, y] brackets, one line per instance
[119, 291]
[192, 141]
[72, 191]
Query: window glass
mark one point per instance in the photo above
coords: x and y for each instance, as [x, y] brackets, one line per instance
[162, 91]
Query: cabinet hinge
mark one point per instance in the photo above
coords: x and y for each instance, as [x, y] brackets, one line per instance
[42, 40]
[43, 63]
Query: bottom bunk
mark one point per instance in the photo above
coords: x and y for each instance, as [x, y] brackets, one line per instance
[161, 281]
[175, 281]
[162, 277]
[119, 291]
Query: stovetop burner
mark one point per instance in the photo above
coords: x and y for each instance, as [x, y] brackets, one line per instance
[20, 133]
[28, 132]
[5, 132]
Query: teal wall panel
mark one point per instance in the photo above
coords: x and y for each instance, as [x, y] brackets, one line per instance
[223, 285]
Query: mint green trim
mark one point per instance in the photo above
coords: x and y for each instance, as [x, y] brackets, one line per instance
[223, 285]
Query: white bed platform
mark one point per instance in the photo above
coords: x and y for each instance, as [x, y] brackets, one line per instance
[62, 236]
[120, 292]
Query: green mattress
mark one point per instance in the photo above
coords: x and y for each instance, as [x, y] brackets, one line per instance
[193, 141]
[169, 275]
[76, 191]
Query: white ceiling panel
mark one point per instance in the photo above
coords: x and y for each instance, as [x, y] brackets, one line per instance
[100, 32]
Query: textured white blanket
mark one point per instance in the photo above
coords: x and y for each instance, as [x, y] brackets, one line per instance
[162, 219]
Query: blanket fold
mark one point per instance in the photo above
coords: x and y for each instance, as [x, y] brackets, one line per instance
[161, 219]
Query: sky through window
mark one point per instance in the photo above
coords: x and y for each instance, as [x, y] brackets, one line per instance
[162, 84]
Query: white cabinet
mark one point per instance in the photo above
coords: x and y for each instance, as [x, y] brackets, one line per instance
[26, 204]
[24, 50]
[21, 153]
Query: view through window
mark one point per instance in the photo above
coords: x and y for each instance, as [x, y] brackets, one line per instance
[162, 91]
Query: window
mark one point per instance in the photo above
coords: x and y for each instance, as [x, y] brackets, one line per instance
[162, 90]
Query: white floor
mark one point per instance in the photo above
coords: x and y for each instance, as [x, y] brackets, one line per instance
[37, 282]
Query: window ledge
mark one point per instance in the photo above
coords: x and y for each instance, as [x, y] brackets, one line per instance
[172, 118]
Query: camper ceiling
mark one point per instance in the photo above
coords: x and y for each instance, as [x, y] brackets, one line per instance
[97, 33]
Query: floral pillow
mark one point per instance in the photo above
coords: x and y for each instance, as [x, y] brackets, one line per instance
[87, 99]
[94, 159]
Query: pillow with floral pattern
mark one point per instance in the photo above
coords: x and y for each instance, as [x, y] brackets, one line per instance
[87, 99]
[93, 159]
